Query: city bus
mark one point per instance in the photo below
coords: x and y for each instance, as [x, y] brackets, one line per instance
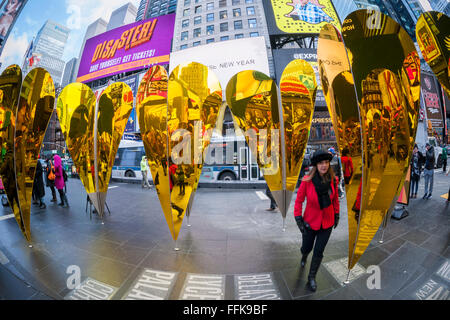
[127, 163]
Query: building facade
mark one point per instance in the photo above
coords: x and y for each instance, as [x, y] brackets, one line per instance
[203, 22]
[344, 8]
[69, 75]
[154, 8]
[122, 16]
[48, 47]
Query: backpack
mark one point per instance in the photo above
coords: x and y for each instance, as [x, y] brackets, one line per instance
[64, 175]
[51, 174]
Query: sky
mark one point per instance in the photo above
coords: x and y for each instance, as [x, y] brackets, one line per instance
[74, 14]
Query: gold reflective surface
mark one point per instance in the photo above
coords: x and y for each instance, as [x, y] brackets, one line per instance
[298, 90]
[253, 100]
[75, 109]
[340, 95]
[194, 100]
[10, 83]
[433, 37]
[151, 112]
[386, 71]
[114, 108]
[36, 102]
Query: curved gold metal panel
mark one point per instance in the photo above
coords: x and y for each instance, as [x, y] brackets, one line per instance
[386, 71]
[36, 102]
[151, 112]
[340, 95]
[298, 90]
[75, 109]
[433, 37]
[114, 108]
[194, 100]
[10, 83]
[253, 100]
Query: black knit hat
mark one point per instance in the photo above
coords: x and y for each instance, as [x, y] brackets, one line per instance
[320, 155]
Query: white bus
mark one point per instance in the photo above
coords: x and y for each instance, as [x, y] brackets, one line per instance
[127, 163]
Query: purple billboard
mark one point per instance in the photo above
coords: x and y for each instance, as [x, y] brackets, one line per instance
[131, 47]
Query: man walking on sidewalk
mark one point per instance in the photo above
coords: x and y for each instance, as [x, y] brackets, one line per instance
[428, 172]
[444, 158]
[144, 170]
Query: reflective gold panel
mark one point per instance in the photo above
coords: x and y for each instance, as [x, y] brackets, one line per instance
[386, 71]
[114, 108]
[253, 100]
[10, 83]
[151, 112]
[433, 37]
[75, 109]
[298, 89]
[194, 100]
[36, 102]
[340, 95]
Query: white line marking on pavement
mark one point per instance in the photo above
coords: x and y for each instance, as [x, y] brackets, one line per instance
[261, 195]
[3, 259]
[9, 216]
[113, 187]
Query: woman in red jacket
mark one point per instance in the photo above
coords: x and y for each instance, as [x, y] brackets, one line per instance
[321, 212]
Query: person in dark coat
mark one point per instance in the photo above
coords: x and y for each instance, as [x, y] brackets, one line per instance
[320, 189]
[38, 186]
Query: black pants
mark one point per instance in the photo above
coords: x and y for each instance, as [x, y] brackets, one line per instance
[53, 192]
[444, 165]
[62, 196]
[320, 237]
[273, 204]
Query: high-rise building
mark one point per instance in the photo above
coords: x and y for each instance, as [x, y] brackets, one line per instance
[202, 22]
[154, 8]
[122, 16]
[48, 46]
[69, 75]
[344, 8]
[441, 6]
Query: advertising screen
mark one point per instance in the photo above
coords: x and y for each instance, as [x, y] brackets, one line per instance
[132, 47]
[431, 99]
[300, 16]
[9, 11]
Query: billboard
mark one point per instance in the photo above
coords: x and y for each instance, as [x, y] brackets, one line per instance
[226, 58]
[431, 98]
[282, 57]
[300, 16]
[132, 47]
[9, 11]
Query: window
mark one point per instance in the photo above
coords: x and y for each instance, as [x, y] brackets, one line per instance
[183, 46]
[235, 2]
[209, 6]
[209, 40]
[197, 1]
[224, 38]
[223, 15]
[196, 43]
[239, 36]
[198, 9]
[185, 23]
[224, 26]
[210, 29]
[210, 17]
[248, 1]
[184, 35]
[222, 3]
[197, 32]
[198, 20]
[187, 2]
[186, 12]
[252, 23]
[237, 12]
[238, 24]
[254, 34]
[250, 11]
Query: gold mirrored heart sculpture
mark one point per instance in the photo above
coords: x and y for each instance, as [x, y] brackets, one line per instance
[10, 83]
[340, 95]
[176, 116]
[433, 37]
[93, 132]
[277, 143]
[36, 103]
[386, 72]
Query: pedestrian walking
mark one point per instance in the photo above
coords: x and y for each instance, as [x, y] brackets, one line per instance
[416, 164]
[320, 189]
[144, 170]
[428, 172]
[337, 168]
[444, 157]
[38, 185]
[347, 163]
[59, 181]
[50, 178]
[273, 204]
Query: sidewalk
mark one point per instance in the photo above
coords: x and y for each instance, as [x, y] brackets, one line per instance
[231, 238]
